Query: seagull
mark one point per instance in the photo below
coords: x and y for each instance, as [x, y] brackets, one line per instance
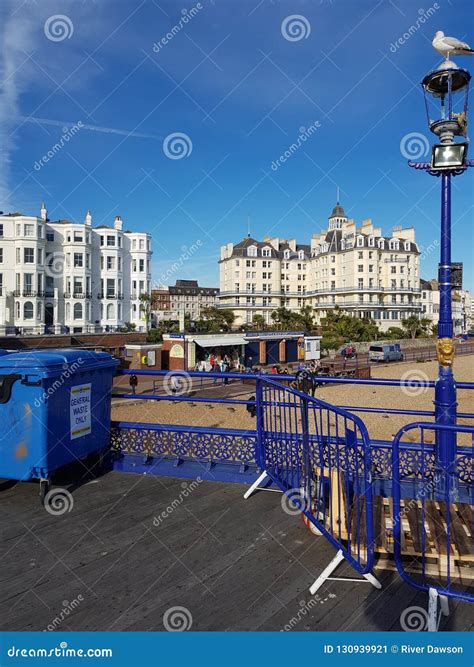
[450, 46]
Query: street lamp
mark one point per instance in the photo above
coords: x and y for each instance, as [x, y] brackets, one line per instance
[446, 101]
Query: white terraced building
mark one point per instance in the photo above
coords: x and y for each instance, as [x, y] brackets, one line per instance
[357, 268]
[60, 276]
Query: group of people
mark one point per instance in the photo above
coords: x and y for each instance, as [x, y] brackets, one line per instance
[349, 352]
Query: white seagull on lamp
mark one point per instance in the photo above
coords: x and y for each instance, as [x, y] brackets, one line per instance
[450, 46]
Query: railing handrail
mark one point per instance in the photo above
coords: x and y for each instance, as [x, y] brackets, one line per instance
[282, 377]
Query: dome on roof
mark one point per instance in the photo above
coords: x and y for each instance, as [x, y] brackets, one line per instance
[338, 212]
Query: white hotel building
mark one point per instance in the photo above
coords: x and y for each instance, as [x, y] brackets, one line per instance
[355, 268]
[60, 276]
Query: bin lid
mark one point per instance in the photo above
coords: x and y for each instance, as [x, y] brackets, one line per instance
[52, 362]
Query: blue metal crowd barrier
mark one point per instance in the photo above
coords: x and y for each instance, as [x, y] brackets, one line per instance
[319, 455]
[439, 517]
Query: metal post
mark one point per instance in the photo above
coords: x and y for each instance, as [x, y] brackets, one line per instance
[445, 388]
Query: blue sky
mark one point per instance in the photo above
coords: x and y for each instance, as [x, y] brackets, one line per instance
[242, 89]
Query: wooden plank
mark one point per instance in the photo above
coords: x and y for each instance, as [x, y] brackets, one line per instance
[416, 526]
[459, 539]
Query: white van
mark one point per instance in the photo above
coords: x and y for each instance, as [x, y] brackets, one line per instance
[385, 352]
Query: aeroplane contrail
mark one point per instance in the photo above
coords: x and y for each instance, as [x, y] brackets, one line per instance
[85, 126]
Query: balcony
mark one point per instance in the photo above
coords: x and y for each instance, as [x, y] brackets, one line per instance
[28, 293]
[110, 295]
[77, 295]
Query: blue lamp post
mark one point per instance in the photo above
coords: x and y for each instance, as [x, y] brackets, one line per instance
[446, 101]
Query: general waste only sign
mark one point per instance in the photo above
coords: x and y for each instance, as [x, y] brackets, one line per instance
[80, 410]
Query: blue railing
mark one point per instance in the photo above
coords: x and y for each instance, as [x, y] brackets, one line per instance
[439, 517]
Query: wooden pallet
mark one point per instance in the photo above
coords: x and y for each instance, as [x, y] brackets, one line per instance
[423, 547]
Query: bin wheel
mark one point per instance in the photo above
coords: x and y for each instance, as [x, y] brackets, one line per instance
[44, 488]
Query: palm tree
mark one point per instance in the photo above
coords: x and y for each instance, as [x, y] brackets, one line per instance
[416, 327]
[145, 308]
[259, 322]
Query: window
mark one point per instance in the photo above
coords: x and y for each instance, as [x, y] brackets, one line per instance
[78, 260]
[110, 263]
[29, 230]
[29, 255]
[360, 268]
[142, 244]
[50, 237]
[360, 241]
[110, 288]
[1, 255]
[252, 251]
[360, 255]
[110, 311]
[393, 269]
[77, 311]
[110, 240]
[1, 230]
[141, 265]
[78, 238]
[28, 311]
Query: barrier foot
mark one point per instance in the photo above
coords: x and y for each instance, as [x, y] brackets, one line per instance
[333, 565]
[255, 485]
[433, 618]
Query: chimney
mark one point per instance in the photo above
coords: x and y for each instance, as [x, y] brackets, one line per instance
[88, 218]
[118, 224]
[43, 212]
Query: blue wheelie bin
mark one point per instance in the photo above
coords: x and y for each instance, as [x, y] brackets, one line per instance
[54, 409]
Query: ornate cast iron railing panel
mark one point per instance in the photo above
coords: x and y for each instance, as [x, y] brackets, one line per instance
[184, 442]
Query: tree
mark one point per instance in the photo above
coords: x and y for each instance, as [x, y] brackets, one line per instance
[340, 328]
[284, 319]
[259, 322]
[394, 333]
[145, 308]
[416, 327]
[217, 319]
[306, 318]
